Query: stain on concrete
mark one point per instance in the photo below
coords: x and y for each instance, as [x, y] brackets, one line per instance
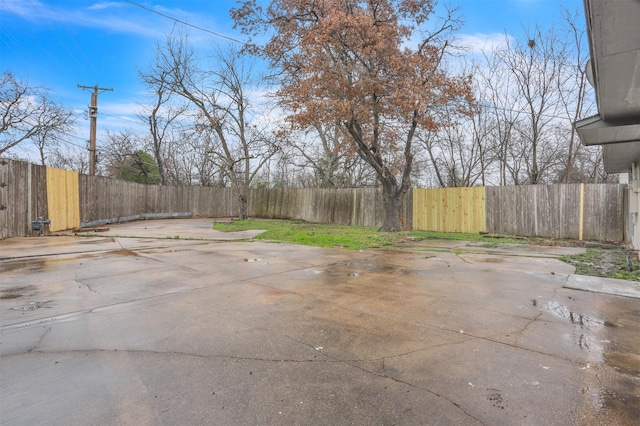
[490, 260]
[14, 292]
[8, 296]
[626, 362]
[123, 252]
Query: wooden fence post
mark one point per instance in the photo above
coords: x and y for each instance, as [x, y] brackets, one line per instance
[581, 229]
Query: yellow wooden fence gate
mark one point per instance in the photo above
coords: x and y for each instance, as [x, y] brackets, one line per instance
[63, 199]
[449, 209]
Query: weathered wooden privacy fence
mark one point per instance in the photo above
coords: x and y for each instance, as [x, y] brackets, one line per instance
[71, 200]
[595, 212]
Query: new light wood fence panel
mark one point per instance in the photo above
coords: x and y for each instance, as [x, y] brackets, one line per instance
[63, 199]
[449, 209]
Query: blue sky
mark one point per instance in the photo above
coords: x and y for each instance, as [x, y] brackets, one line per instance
[58, 44]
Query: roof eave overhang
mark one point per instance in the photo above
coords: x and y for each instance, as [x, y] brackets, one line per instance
[594, 131]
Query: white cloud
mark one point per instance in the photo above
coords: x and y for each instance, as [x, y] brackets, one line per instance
[38, 12]
[20, 8]
[100, 15]
[104, 5]
[478, 43]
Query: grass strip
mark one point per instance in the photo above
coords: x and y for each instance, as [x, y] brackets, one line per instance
[607, 263]
[343, 236]
[600, 262]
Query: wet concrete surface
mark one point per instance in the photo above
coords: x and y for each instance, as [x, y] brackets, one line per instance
[128, 328]
[185, 229]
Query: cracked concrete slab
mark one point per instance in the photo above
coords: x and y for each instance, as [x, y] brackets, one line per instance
[152, 330]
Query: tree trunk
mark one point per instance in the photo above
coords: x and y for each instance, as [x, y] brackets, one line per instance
[393, 198]
[242, 206]
[596, 169]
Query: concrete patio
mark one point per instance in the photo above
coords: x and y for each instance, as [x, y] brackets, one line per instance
[170, 322]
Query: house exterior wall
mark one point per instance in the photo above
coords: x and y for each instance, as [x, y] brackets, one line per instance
[633, 225]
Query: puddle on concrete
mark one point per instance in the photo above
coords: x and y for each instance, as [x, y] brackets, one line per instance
[355, 269]
[583, 342]
[598, 338]
[564, 312]
[586, 333]
[31, 265]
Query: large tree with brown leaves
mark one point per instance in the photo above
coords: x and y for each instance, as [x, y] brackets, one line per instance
[369, 65]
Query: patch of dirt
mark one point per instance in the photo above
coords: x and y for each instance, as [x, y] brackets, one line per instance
[606, 262]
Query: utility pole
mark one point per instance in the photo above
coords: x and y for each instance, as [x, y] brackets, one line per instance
[93, 115]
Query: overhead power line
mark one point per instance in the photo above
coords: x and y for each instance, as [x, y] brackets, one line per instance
[184, 23]
[119, 117]
[69, 34]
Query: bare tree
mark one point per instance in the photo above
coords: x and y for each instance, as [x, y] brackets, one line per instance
[53, 123]
[535, 65]
[29, 114]
[223, 106]
[326, 159]
[481, 128]
[576, 99]
[116, 149]
[498, 99]
[69, 159]
[324, 150]
[460, 151]
[534, 89]
[456, 152]
[160, 116]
